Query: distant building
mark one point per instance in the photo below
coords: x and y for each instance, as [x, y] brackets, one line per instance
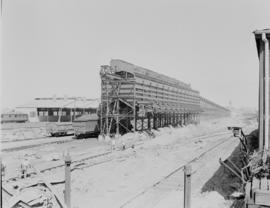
[211, 109]
[13, 117]
[55, 109]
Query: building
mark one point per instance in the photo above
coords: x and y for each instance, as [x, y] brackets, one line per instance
[13, 117]
[136, 98]
[212, 110]
[53, 109]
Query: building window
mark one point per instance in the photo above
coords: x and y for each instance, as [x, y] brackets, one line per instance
[32, 114]
[55, 113]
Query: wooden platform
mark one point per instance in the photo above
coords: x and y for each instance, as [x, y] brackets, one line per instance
[258, 193]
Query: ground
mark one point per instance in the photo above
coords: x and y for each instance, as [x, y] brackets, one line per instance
[126, 178]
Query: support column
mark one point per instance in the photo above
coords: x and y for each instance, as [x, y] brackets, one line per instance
[107, 109]
[160, 120]
[154, 121]
[266, 91]
[117, 118]
[184, 119]
[261, 100]
[164, 120]
[101, 110]
[135, 122]
[149, 121]
[134, 108]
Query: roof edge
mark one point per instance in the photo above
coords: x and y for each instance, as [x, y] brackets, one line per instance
[258, 32]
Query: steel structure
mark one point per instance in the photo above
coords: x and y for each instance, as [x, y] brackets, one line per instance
[134, 98]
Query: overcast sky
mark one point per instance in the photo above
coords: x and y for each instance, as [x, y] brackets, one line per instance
[57, 46]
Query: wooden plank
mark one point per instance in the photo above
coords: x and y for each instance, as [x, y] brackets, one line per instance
[255, 183]
[57, 195]
[248, 199]
[253, 206]
[264, 184]
[255, 186]
[262, 197]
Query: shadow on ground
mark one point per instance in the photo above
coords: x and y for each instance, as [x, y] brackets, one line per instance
[224, 181]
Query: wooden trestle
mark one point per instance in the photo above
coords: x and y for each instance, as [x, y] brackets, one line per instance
[136, 99]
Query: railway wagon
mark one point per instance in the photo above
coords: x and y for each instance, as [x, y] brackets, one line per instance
[13, 117]
[67, 113]
[86, 125]
[134, 98]
[59, 128]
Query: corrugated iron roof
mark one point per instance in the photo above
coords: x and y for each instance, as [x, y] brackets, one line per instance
[11, 112]
[120, 65]
[87, 117]
[61, 103]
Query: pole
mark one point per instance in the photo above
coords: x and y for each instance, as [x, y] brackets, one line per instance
[261, 99]
[117, 118]
[67, 180]
[134, 108]
[107, 109]
[187, 186]
[101, 109]
[1, 181]
[266, 91]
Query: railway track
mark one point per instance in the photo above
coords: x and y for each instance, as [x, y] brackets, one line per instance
[17, 148]
[26, 139]
[81, 162]
[156, 190]
[30, 139]
[171, 181]
[81, 158]
[77, 161]
[24, 147]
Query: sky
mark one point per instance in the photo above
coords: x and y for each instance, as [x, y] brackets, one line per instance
[56, 47]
